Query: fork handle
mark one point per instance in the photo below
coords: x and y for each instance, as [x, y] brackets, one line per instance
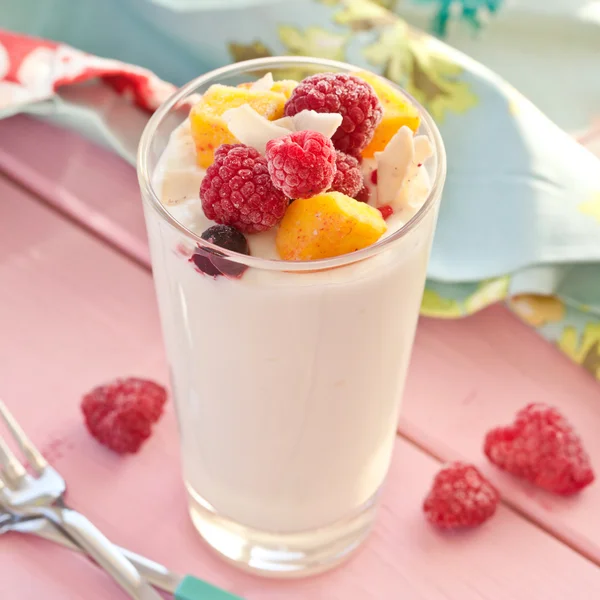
[95, 543]
[192, 588]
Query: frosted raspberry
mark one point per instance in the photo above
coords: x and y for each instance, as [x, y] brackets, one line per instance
[301, 164]
[542, 447]
[348, 177]
[120, 414]
[364, 194]
[460, 497]
[237, 190]
[347, 95]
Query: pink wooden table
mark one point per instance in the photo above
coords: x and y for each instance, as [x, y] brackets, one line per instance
[77, 308]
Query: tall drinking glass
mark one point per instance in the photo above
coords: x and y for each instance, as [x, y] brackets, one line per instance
[288, 380]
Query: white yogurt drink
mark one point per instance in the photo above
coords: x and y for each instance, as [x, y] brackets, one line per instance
[287, 376]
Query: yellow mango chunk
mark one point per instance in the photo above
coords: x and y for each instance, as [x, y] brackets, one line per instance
[397, 112]
[285, 87]
[327, 225]
[209, 130]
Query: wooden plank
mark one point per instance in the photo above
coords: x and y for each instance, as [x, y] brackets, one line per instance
[467, 375]
[91, 185]
[76, 313]
[405, 559]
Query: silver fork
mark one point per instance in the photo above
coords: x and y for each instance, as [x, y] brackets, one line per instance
[186, 587]
[156, 574]
[42, 496]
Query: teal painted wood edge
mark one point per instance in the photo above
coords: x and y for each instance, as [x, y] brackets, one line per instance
[191, 588]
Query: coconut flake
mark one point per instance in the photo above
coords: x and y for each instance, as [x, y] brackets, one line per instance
[399, 173]
[423, 149]
[310, 120]
[416, 182]
[287, 122]
[392, 166]
[251, 128]
[264, 84]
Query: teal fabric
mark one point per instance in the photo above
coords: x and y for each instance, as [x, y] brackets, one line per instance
[521, 207]
[472, 12]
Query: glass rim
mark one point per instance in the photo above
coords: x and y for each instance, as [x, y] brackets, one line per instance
[149, 196]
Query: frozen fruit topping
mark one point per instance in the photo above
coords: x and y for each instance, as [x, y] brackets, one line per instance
[251, 128]
[541, 447]
[397, 112]
[226, 237]
[237, 190]
[214, 263]
[327, 225]
[364, 194]
[120, 414]
[301, 164]
[348, 178]
[460, 497]
[264, 84]
[393, 166]
[284, 86]
[386, 211]
[209, 129]
[350, 96]
[309, 120]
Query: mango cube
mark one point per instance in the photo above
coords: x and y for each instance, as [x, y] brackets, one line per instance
[285, 87]
[397, 111]
[327, 225]
[209, 130]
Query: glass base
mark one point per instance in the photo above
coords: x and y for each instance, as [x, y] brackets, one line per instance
[282, 555]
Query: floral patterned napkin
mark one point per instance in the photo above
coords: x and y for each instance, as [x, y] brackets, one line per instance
[520, 217]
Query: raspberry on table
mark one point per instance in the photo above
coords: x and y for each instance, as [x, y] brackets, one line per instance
[301, 164]
[348, 95]
[213, 263]
[120, 414]
[542, 447]
[348, 178]
[237, 190]
[460, 497]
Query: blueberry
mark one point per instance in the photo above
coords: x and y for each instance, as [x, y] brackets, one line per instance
[227, 237]
[213, 263]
